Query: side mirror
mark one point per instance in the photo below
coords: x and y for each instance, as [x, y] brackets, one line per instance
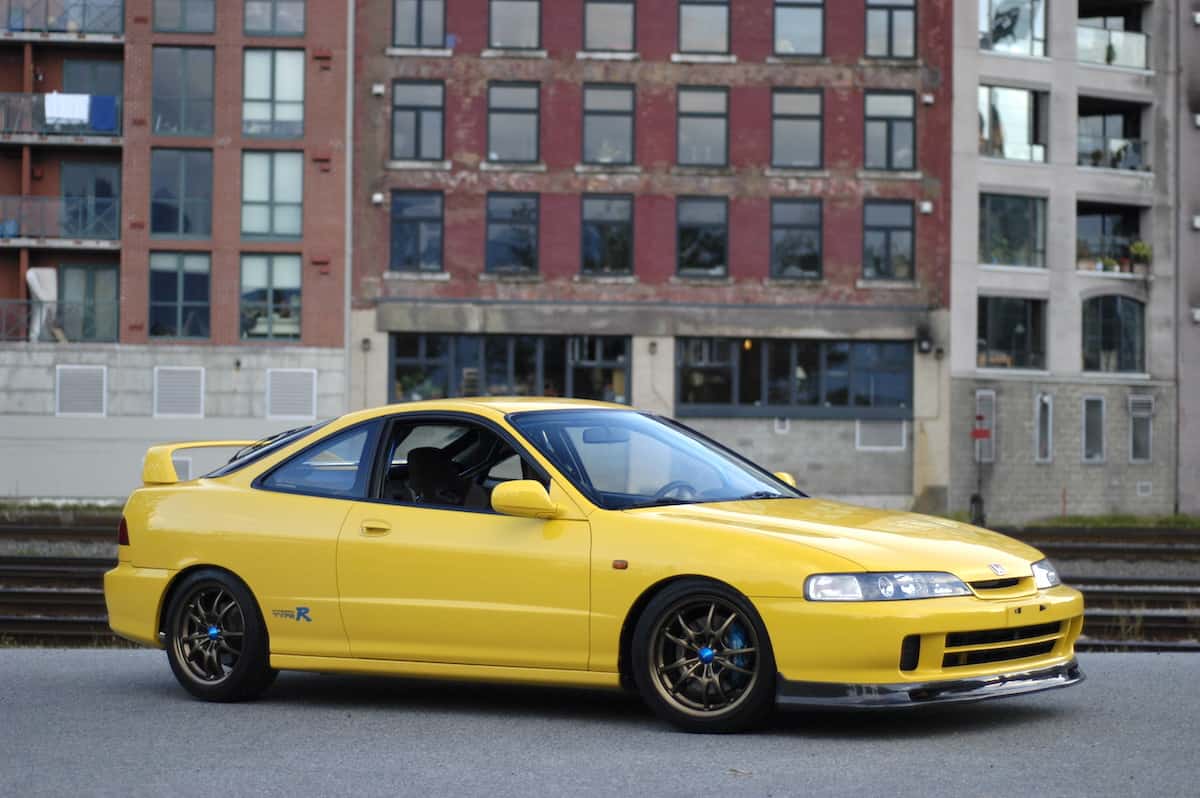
[523, 498]
[785, 477]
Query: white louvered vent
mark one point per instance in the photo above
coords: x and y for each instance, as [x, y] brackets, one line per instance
[178, 392]
[880, 435]
[292, 393]
[81, 390]
[1141, 406]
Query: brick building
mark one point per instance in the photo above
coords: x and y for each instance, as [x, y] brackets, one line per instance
[741, 219]
[172, 229]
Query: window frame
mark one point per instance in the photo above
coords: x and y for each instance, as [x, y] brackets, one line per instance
[270, 300]
[417, 221]
[633, 44]
[1043, 402]
[488, 221]
[182, 197]
[272, 203]
[890, 123]
[1097, 335]
[271, 99]
[1038, 130]
[820, 228]
[273, 31]
[679, 117]
[1033, 41]
[631, 114]
[536, 113]
[419, 111]
[179, 305]
[887, 231]
[775, 8]
[491, 42]
[890, 7]
[1148, 418]
[680, 201]
[369, 460]
[583, 223]
[679, 6]
[1083, 437]
[1039, 206]
[419, 26]
[1031, 304]
[819, 93]
[183, 17]
[184, 97]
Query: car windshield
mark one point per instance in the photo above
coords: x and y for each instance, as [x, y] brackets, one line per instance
[623, 460]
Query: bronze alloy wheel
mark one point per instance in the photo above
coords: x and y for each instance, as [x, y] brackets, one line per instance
[208, 633]
[704, 656]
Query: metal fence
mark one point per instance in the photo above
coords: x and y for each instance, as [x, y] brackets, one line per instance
[1112, 47]
[62, 16]
[60, 217]
[57, 322]
[26, 114]
[1109, 153]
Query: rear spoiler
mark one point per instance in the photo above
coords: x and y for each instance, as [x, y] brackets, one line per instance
[159, 465]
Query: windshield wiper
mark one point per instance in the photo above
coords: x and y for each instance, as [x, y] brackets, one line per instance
[658, 503]
[759, 494]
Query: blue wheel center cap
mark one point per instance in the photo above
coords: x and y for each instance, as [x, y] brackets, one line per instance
[213, 633]
[706, 655]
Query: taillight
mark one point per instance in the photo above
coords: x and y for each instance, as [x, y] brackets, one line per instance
[123, 534]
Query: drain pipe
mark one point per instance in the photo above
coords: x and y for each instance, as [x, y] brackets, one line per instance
[348, 223]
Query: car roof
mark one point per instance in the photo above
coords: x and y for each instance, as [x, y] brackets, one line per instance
[485, 405]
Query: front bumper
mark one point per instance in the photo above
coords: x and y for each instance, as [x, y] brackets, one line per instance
[811, 695]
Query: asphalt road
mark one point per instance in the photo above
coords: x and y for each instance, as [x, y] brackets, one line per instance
[107, 722]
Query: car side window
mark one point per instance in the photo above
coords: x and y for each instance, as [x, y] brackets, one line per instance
[337, 467]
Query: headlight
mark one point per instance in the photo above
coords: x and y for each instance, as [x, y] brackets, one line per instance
[882, 587]
[1045, 575]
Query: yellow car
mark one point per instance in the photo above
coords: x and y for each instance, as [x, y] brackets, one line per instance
[572, 543]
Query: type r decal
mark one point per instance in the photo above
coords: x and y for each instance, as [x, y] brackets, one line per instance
[298, 614]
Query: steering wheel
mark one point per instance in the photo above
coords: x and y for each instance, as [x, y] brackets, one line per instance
[674, 485]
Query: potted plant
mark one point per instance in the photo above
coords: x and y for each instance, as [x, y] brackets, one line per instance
[1108, 264]
[1140, 253]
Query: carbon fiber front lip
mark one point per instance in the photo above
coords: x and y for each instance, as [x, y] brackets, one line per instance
[830, 695]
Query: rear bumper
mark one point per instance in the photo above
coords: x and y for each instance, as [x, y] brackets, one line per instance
[802, 695]
[134, 597]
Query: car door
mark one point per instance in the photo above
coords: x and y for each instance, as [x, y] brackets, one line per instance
[425, 575]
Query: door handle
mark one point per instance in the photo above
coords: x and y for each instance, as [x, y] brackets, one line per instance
[375, 528]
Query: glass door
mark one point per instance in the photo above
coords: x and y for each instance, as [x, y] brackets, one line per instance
[91, 197]
[87, 302]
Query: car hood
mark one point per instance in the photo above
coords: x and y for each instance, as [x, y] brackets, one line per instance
[877, 540]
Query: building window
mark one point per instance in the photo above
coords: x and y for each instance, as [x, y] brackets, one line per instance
[416, 231]
[985, 423]
[799, 27]
[608, 124]
[1013, 26]
[888, 240]
[796, 238]
[274, 17]
[417, 121]
[1104, 235]
[185, 16]
[1109, 135]
[1011, 333]
[513, 121]
[842, 379]
[890, 136]
[891, 29]
[607, 234]
[179, 294]
[273, 93]
[512, 233]
[419, 23]
[1114, 336]
[1012, 230]
[270, 296]
[704, 26]
[796, 129]
[703, 127]
[272, 194]
[1043, 441]
[1141, 428]
[1012, 124]
[580, 367]
[181, 184]
[515, 25]
[609, 25]
[703, 241]
[182, 91]
[1093, 429]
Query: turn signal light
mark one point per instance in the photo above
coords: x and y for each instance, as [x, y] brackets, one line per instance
[123, 533]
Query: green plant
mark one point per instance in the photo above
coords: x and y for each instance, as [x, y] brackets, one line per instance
[1110, 264]
[1140, 251]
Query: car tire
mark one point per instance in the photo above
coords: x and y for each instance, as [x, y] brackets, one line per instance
[702, 660]
[216, 639]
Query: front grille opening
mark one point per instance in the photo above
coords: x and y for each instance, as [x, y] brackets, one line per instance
[959, 639]
[910, 653]
[995, 584]
[959, 659]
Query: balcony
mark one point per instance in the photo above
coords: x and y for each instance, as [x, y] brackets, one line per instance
[35, 321]
[60, 118]
[1109, 153]
[27, 220]
[1119, 48]
[73, 18]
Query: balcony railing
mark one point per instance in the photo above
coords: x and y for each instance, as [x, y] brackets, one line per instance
[57, 322]
[60, 115]
[62, 16]
[60, 217]
[1112, 47]
[1107, 153]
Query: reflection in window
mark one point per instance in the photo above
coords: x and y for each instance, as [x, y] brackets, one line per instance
[179, 294]
[270, 296]
[703, 240]
[891, 29]
[1011, 333]
[181, 184]
[513, 122]
[1012, 230]
[272, 194]
[512, 233]
[796, 128]
[703, 127]
[704, 26]
[796, 238]
[1093, 429]
[516, 24]
[273, 93]
[333, 468]
[274, 17]
[184, 16]
[182, 91]
[607, 234]
[799, 27]
[608, 124]
[419, 23]
[416, 231]
[890, 130]
[888, 240]
[1012, 124]
[417, 110]
[1113, 334]
[1104, 235]
[609, 25]
[1013, 26]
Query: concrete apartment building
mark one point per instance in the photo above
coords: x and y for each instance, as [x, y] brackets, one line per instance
[1188, 185]
[1066, 185]
[172, 230]
[740, 219]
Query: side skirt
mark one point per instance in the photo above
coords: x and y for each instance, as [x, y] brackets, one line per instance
[447, 671]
